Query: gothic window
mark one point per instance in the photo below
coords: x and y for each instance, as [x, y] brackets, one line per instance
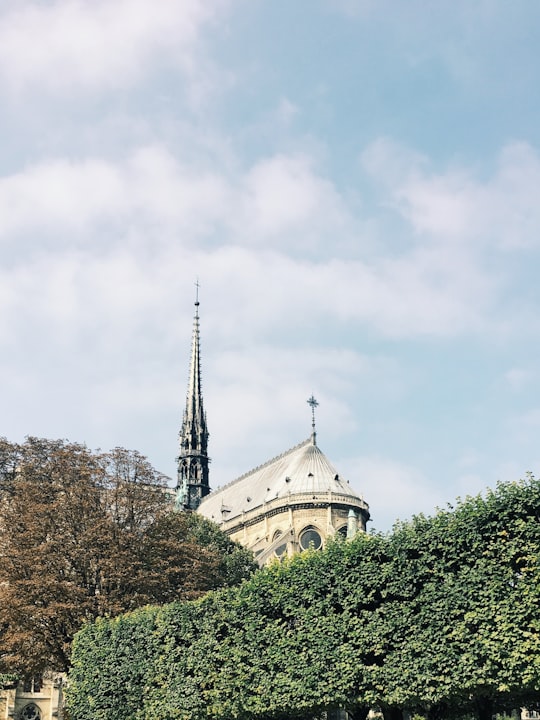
[343, 531]
[281, 549]
[33, 684]
[30, 712]
[310, 539]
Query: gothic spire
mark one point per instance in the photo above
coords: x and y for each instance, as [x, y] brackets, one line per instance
[193, 477]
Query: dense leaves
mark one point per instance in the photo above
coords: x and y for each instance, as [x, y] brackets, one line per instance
[86, 534]
[441, 617]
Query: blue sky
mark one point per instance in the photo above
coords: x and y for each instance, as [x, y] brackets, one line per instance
[356, 184]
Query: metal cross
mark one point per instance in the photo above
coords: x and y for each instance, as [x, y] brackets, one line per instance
[313, 404]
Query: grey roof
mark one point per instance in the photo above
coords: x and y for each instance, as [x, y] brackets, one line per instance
[303, 470]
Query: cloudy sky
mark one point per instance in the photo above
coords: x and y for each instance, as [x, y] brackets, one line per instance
[355, 183]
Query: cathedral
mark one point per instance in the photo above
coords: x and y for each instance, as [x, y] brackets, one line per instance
[291, 503]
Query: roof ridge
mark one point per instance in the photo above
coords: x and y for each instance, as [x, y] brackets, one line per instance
[260, 467]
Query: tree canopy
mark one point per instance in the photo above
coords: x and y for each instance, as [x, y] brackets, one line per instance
[440, 617]
[87, 534]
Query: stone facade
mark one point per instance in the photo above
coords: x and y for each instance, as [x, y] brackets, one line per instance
[39, 698]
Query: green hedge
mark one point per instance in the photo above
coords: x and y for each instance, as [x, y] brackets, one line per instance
[111, 665]
[441, 617]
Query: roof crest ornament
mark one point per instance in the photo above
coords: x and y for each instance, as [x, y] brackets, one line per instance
[313, 404]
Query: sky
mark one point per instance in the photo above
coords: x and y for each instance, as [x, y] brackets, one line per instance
[355, 184]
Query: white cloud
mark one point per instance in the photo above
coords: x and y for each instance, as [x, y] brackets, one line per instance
[57, 195]
[265, 236]
[73, 44]
[256, 398]
[500, 212]
[285, 201]
[280, 201]
[266, 291]
[393, 490]
[423, 293]
[284, 213]
[149, 186]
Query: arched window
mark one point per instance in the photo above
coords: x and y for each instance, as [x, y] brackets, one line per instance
[281, 549]
[310, 538]
[30, 712]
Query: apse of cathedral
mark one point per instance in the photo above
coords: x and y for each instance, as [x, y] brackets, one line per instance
[293, 502]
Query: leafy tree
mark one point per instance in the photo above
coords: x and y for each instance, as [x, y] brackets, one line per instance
[86, 534]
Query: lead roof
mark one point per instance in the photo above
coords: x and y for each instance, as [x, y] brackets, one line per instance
[302, 470]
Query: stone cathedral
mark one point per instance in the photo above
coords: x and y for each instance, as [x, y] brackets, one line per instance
[291, 503]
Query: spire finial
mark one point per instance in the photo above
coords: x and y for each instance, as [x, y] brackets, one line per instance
[197, 286]
[313, 404]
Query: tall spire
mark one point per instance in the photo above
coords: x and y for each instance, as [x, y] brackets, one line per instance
[193, 477]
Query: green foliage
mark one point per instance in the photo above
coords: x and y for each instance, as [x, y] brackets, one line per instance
[441, 618]
[8, 680]
[235, 563]
[121, 651]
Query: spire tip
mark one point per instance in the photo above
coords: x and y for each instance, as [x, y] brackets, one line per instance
[313, 404]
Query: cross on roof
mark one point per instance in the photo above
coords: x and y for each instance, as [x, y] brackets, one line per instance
[313, 404]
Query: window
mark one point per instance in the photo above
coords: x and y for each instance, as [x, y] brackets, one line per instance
[310, 539]
[30, 712]
[343, 531]
[281, 549]
[33, 684]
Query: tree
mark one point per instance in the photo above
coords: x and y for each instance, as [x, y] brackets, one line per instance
[86, 534]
